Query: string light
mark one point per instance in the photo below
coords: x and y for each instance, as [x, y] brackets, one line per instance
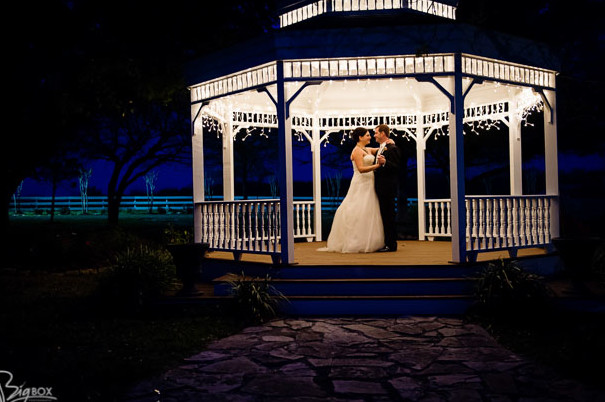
[406, 135]
[248, 134]
[440, 131]
[212, 124]
[528, 102]
[484, 125]
[250, 131]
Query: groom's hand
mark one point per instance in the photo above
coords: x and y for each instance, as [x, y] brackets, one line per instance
[381, 160]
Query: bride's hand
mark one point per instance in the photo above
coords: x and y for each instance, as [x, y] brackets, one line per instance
[390, 141]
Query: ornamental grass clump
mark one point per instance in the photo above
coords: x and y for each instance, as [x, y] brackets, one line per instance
[174, 235]
[255, 299]
[505, 289]
[137, 276]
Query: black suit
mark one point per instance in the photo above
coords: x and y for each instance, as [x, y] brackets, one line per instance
[385, 184]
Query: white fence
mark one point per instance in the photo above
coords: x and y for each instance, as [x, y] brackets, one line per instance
[495, 222]
[141, 203]
[99, 203]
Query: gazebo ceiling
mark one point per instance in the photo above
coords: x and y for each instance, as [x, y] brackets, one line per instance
[361, 97]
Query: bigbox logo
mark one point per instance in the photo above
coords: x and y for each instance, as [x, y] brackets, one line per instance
[10, 392]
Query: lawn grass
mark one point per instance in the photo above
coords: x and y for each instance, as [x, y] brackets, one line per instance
[54, 332]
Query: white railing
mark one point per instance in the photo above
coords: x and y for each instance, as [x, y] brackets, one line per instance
[252, 226]
[368, 67]
[242, 80]
[505, 222]
[304, 218]
[336, 6]
[438, 218]
[495, 222]
[505, 71]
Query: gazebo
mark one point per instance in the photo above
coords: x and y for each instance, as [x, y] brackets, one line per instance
[337, 64]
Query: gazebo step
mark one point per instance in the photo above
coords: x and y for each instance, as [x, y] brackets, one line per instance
[213, 268]
[361, 287]
[377, 305]
[374, 305]
[374, 271]
[356, 289]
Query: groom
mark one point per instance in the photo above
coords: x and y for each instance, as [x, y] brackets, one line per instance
[385, 184]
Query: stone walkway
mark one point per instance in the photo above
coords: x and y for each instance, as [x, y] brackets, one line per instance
[361, 359]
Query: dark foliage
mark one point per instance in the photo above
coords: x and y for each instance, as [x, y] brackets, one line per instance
[255, 300]
[137, 277]
[505, 290]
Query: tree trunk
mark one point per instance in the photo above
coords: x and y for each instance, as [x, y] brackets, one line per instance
[52, 200]
[113, 208]
[8, 187]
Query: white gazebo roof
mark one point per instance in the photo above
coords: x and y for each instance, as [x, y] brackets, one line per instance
[373, 53]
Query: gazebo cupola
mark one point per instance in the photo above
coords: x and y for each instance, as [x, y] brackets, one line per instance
[337, 64]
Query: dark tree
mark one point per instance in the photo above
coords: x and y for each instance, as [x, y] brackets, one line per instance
[574, 31]
[140, 123]
[109, 71]
[60, 167]
[40, 111]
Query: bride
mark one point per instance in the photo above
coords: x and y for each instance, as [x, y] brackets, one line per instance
[357, 225]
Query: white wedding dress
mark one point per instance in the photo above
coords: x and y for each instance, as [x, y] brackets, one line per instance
[357, 225]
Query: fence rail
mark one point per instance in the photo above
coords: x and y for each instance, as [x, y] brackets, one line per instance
[141, 203]
[99, 203]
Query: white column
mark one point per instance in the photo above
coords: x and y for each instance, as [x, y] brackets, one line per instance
[551, 159]
[456, 150]
[197, 154]
[316, 155]
[286, 192]
[228, 162]
[421, 179]
[514, 149]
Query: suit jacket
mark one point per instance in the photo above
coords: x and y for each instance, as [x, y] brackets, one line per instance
[386, 176]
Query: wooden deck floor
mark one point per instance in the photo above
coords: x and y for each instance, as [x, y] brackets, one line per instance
[409, 252]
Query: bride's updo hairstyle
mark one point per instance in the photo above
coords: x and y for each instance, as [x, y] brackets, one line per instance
[358, 132]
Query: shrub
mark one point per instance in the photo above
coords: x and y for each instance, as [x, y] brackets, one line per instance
[598, 262]
[255, 299]
[504, 288]
[136, 277]
[174, 235]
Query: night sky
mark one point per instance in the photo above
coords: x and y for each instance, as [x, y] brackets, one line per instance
[574, 29]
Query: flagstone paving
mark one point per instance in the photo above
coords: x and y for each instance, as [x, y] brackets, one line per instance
[361, 359]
